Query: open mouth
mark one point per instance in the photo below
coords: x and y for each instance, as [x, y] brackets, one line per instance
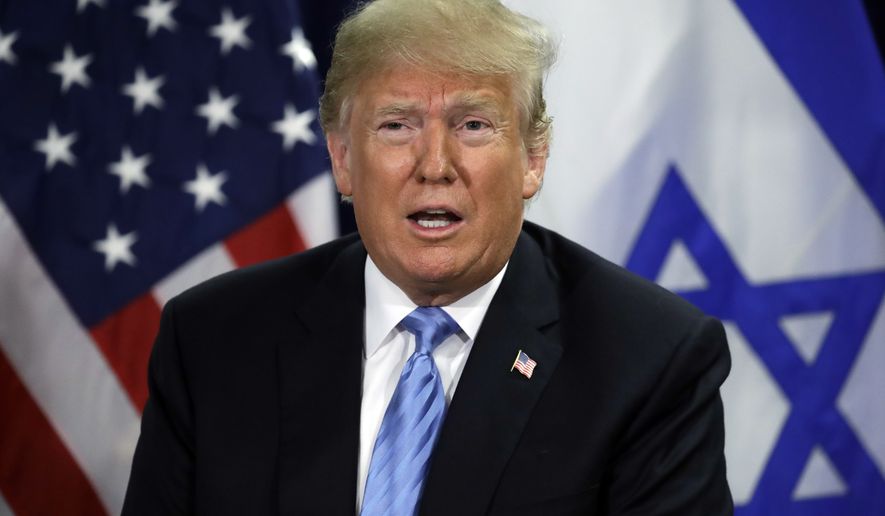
[435, 218]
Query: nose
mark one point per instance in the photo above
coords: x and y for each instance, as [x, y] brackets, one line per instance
[436, 163]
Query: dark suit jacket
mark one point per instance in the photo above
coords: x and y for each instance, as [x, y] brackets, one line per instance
[255, 383]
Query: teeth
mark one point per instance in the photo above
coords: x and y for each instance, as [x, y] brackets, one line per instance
[430, 224]
[435, 212]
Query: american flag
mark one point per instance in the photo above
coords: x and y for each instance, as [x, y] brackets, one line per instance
[145, 146]
[524, 364]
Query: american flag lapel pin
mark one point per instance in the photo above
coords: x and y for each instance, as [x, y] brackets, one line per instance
[524, 364]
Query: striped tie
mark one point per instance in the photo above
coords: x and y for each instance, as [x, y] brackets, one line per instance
[412, 421]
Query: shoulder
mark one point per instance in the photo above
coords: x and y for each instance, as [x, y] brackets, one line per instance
[611, 314]
[597, 284]
[271, 282]
[239, 318]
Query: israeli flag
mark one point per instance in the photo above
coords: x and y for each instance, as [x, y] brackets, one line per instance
[734, 152]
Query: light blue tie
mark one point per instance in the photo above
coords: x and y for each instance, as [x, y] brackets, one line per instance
[412, 421]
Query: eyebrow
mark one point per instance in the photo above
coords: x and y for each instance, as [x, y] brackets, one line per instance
[396, 109]
[461, 102]
[471, 101]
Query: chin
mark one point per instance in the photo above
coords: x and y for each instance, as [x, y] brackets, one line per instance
[432, 272]
[431, 266]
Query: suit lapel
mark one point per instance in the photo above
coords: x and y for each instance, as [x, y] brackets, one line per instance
[492, 404]
[320, 383]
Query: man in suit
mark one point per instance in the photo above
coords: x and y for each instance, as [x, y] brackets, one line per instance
[451, 358]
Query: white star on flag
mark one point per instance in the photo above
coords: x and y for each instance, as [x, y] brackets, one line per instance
[57, 147]
[144, 91]
[6, 41]
[72, 69]
[206, 188]
[231, 31]
[158, 15]
[131, 170]
[298, 48]
[82, 4]
[116, 248]
[295, 126]
[219, 111]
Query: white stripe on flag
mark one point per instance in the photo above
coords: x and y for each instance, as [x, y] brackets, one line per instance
[5, 509]
[63, 369]
[313, 208]
[213, 261]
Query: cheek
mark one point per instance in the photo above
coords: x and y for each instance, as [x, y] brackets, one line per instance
[384, 171]
[501, 179]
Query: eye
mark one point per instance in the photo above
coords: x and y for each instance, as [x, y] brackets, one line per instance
[474, 130]
[475, 125]
[396, 132]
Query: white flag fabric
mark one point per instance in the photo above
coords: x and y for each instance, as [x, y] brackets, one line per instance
[734, 152]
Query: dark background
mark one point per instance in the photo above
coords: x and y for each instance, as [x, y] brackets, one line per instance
[328, 14]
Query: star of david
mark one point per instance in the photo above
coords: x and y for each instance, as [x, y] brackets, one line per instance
[812, 390]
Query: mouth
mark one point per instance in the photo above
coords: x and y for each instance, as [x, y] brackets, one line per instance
[435, 218]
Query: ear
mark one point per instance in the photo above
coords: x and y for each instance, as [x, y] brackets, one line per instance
[534, 173]
[337, 146]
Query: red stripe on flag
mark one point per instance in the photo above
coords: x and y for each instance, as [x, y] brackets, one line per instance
[38, 475]
[272, 236]
[126, 338]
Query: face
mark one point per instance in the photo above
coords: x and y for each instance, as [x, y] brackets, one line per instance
[438, 171]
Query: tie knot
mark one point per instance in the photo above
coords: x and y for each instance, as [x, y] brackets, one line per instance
[431, 325]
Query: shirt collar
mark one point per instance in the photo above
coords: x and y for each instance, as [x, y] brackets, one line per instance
[387, 304]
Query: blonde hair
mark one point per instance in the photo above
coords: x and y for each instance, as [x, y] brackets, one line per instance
[467, 37]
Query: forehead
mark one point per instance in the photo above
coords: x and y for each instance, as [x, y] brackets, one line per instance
[408, 87]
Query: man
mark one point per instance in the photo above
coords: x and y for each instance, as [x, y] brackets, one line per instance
[450, 359]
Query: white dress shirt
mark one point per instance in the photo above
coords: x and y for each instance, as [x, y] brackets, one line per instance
[388, 346]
